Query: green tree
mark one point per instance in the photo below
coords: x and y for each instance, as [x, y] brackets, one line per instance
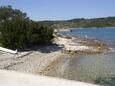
[18, 31]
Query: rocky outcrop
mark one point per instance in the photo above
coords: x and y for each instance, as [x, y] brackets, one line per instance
[82, 45]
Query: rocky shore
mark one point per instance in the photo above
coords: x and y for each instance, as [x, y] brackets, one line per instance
[81, 45]
[42, 59]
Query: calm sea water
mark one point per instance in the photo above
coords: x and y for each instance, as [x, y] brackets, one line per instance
[99, 69]
[106, 35]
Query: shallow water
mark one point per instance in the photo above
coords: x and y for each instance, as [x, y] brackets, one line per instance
[86, 68]
[99, 69]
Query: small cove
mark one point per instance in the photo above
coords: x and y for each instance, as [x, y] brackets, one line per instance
[99, 69]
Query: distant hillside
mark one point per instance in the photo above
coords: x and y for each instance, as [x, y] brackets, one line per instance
[81, 22]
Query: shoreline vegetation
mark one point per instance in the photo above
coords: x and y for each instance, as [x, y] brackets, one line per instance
[18, 31]
[47, 47]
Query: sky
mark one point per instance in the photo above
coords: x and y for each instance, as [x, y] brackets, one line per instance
[63, 9]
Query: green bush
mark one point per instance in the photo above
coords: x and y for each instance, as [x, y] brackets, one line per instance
[18, 31]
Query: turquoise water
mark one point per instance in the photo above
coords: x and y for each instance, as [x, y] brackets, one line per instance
[99, 69]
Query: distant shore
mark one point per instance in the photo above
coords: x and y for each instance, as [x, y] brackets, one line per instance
[70, 29]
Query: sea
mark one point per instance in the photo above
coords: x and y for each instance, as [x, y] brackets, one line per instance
[97, 69]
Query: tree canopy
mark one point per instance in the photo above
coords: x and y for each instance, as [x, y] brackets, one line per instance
[18, 31]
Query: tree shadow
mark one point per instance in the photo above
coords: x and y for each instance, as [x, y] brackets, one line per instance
[43, 48]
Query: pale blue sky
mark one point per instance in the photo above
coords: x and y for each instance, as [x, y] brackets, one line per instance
[63, 9]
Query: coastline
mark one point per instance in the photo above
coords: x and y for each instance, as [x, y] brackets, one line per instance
[77, 44]
[42, 59]
[83, 47]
